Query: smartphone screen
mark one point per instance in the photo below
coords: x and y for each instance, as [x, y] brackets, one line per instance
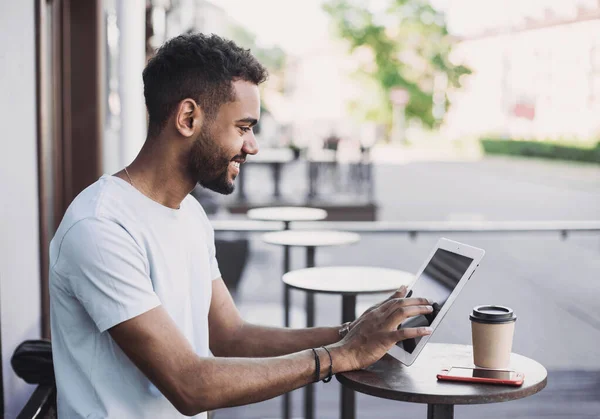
[482, 373]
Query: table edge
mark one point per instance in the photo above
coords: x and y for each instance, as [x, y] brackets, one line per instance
[344, 293]
[322, 216]
[440, 399]
[345, 243]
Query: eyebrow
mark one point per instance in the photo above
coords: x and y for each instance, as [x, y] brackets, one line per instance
[250, 121]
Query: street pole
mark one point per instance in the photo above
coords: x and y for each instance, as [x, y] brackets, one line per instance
[399, 98]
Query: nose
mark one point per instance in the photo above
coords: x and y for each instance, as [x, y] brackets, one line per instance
[250, 144]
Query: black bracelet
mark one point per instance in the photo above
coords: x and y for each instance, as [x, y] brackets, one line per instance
[317, 365]
[330, 374]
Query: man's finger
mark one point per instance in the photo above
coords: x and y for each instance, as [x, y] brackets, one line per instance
[400, 292]
[406, 302]
[417, 301]
[402, 313]
[411, 333]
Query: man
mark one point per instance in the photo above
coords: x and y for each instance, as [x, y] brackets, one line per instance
[137, 300]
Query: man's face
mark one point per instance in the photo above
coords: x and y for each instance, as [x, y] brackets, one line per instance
[223, 143]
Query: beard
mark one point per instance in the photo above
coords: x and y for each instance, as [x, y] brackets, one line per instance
[208, 164]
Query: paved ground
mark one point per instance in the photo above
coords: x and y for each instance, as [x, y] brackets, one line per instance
[569, 395]
[552, 284]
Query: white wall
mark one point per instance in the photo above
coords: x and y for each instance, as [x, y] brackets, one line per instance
[20, 316]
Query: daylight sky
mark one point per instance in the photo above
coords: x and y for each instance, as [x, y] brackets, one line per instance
[298, 25]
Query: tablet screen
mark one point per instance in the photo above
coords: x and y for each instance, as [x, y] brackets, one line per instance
[439, 278]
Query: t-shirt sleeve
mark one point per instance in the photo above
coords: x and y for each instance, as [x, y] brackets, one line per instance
[106, 271]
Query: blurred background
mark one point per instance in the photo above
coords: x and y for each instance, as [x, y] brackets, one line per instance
[476, 120]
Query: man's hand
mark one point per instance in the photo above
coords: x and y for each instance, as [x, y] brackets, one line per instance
[400, 293]
[376, 331]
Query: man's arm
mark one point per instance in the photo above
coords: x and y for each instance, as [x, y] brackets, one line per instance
[194, 384]
[230, 335]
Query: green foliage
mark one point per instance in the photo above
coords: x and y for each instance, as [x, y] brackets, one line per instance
[272, 57]
[410, 45]
[541, 149]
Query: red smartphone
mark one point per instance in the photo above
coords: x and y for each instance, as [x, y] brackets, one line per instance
[482, 375]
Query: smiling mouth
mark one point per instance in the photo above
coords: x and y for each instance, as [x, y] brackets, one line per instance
[238, 161]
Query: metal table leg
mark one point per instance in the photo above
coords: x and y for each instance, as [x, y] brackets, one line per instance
[309, 390]
[240, 186]
[310, 297]
[348, 404]
[313, 170]
[309, 396]
[287, 397]
[440, 411]
[286, 289]
[276, 180]
[348, 308]
[310, 256]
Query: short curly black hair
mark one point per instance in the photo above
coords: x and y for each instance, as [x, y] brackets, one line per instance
[197, 66]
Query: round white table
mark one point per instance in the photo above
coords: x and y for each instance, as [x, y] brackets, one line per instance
[349, 282]
[287, 214]
[310, 240]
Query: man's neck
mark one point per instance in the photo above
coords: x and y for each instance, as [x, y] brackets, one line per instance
[159, 173]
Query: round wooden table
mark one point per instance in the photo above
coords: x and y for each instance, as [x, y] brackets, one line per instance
[389, 379]
[347, 281]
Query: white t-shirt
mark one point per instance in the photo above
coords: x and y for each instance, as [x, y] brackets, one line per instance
[116, 255]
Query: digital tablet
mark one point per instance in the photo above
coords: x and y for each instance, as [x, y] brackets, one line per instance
[441, 278]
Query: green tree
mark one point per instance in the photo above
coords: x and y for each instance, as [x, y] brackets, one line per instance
[410, 46]
[271, 57]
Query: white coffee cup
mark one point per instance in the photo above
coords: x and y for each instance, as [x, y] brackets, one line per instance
[492, 328]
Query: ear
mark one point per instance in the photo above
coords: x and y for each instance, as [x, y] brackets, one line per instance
[188, 117]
